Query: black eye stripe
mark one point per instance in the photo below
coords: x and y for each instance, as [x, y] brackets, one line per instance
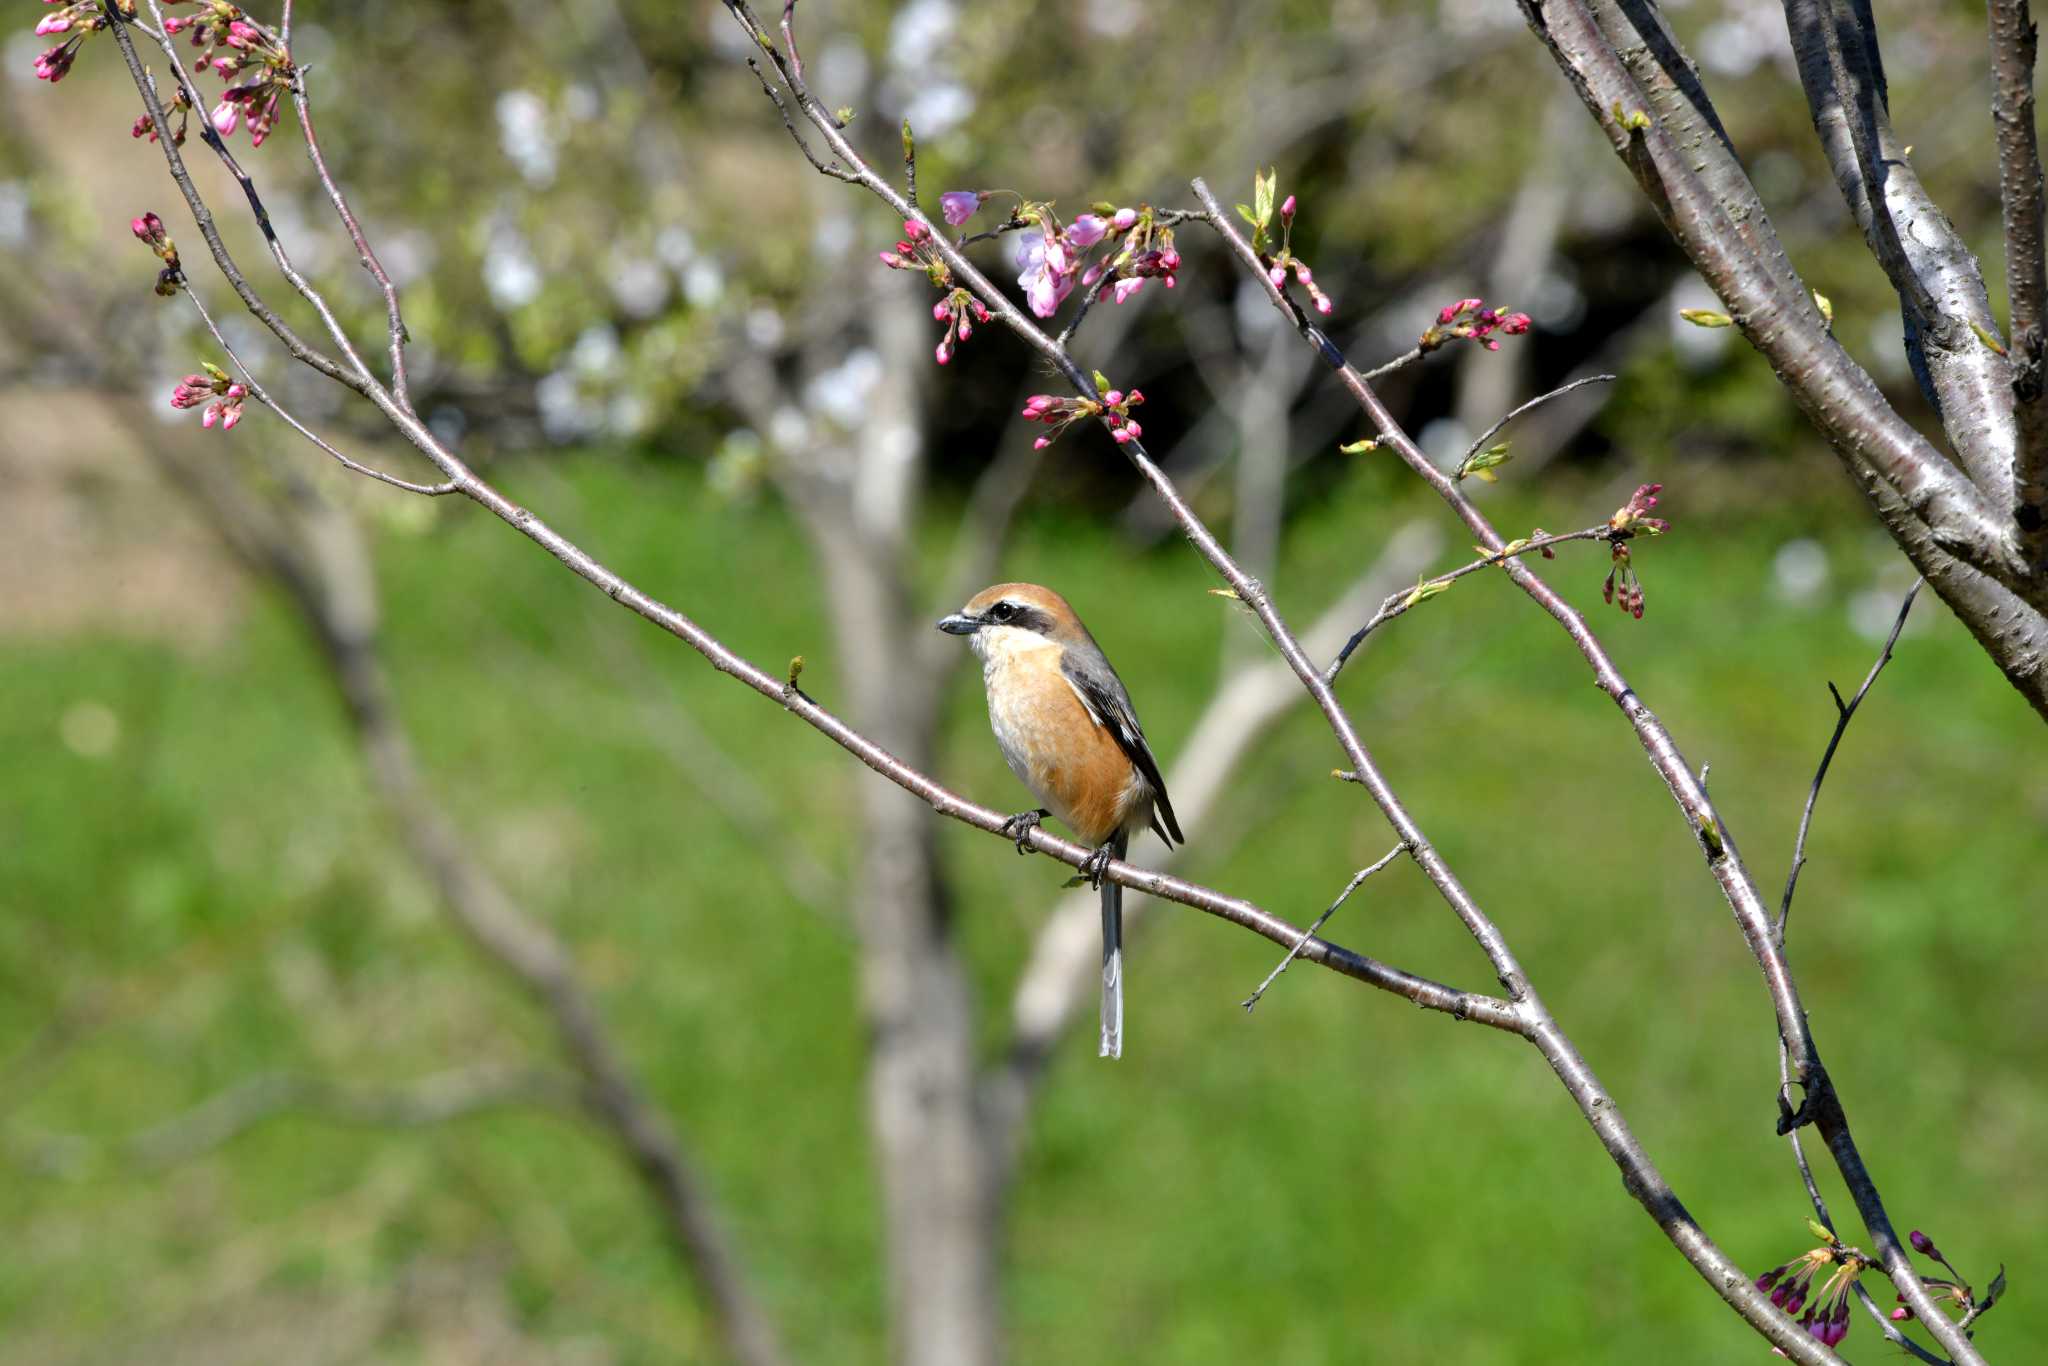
[1021, 615]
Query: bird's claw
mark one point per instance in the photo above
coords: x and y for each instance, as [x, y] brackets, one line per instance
[1095, 865]
[1018, 828]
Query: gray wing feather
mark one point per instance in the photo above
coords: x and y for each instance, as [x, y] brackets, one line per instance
[1103, 694]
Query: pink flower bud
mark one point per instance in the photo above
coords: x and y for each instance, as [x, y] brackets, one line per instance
[226, 115]
[142, 128]
[1123, 220]
[1287, 208]
[1113, 398]
[1041, 443]
[1086, 230]
[893, 261]
[237, 392]
[1122, 434]
[915, 231]
[233, 414]
[148, 228]
[210, 416]
[177, 24]
[54, 23]
[944, 353]
[1278, 275]
[959, 205]
[941, 311]
[966, 329]
[1133, 399]
[1515, 324]
[1132, 429]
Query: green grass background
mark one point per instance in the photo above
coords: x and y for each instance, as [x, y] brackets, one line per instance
[1339, 1178]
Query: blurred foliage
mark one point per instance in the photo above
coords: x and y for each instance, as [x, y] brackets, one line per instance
[592, 210]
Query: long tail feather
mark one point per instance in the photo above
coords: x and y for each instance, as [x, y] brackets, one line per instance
[1113, 966]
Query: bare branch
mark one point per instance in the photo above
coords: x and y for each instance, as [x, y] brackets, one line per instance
[394, 320]
[263, 396]
[1537, 402]
[1357, 880]
[1844, 713]
[1399, 603]
[1941, 290]
[430, 1100]
[2013, 44]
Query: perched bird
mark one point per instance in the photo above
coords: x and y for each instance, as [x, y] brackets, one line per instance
[1067, 727]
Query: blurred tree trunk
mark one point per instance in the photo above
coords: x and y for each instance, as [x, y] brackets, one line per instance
[857, 500]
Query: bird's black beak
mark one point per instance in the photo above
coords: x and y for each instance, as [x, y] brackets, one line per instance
[960, 624]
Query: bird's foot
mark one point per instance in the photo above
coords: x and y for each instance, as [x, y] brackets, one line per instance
[1095, 865]
[1019, 827]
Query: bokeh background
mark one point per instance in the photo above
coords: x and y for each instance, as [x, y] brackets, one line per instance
[641, 314]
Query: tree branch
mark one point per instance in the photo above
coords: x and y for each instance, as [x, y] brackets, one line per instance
[2013, 43]
[1941, 290]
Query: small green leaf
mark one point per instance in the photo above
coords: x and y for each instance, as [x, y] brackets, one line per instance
[1244, 211]
[796, 671]
[1424, 590]
[1230, 593]
[1710, 831]
[1986, 337]
[1262, 196]
[210, 368]
[1359, 447]
[1101, 382]
[909, 142]
[844, 113]
[1826, 307]
[1482, 463]
[1705, 317]
[1820, 1231]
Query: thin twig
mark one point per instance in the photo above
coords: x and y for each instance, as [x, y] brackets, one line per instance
[796, 61]
[261, 395]
[394, 320]
[1399, 603]
[1537, 402]
[1357, 880]
[1843, 712]
[431, 1100]
[833, 169]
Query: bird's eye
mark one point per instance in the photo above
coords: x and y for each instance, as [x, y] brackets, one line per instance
[1003, 611]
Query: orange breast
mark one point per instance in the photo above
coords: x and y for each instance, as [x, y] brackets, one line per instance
[1069, 762]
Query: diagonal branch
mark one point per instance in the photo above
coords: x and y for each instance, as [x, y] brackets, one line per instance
[1942, 295]
[1844, 713]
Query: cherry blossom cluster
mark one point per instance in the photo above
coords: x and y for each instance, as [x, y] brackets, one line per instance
[1136, 247]
[1790, 1286]
[178, 108]
[1062, 413]
[80, 20]
[221, 394]
[959, 311]
[1278, 264]
[230, 46]
[1632, 519]
[1471, 320]
[149, 230]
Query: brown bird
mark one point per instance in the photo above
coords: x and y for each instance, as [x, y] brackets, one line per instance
[1066, 725]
